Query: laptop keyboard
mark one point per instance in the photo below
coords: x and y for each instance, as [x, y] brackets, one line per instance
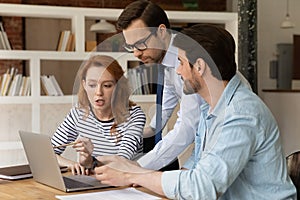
[70, 183]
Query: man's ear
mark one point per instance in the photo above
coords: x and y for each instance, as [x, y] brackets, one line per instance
[162, 30]
[200, 66]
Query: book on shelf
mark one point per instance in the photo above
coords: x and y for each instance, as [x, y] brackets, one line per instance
[25, 86]
[57, 88]
[142, 78]
[90, 45]
[13, 84]
[7, 80]
[61, 37]
[5, 44]
[66, 41]
[2, 43]
[145, 82]
[71, 43]
[50, 86]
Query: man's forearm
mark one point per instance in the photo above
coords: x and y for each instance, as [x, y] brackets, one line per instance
[142, 179]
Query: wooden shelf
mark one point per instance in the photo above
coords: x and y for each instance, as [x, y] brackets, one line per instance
[43, 113]
[281, 90]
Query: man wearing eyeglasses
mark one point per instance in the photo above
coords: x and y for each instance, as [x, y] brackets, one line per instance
[145, 27]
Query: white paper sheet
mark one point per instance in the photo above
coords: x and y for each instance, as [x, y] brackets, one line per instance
[122, 194]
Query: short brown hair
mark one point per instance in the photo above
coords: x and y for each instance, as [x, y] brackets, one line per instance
[213, 44]
[151, 14]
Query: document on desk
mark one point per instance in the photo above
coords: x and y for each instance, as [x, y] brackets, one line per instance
[122, 194]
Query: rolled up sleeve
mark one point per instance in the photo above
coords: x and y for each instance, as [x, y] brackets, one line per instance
[169, 183]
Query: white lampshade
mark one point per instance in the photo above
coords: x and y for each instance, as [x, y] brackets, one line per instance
[103, 27]
[287, 23]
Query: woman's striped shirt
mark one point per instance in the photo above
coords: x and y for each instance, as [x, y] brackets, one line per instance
[127, 143]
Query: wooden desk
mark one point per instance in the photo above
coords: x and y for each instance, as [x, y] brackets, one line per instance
[30, 189]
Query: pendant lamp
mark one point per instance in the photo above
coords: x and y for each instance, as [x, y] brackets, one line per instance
[103, 27]
[287, 23]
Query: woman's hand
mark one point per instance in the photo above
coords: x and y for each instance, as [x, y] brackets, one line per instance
[72, 166]
[77, 169]
[85, 148]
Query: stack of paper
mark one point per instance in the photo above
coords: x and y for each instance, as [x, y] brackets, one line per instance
[122, 194]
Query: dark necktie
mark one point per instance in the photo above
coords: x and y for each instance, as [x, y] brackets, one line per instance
[159, 94]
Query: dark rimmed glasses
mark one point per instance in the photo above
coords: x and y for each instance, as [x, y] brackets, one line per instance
[139, 45]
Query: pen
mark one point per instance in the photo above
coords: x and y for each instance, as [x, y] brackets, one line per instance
[64, 145]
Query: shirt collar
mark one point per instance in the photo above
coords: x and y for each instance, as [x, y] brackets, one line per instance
[171, 57]
[225, 98]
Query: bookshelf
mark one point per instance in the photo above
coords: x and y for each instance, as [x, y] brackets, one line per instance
[40, 113]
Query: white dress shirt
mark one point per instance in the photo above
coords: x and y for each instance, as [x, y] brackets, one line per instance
[183, 133]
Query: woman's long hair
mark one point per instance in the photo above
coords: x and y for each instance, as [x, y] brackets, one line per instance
[120, 102]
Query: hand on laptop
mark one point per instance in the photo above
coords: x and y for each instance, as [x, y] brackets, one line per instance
[73, 166]
[85, 148]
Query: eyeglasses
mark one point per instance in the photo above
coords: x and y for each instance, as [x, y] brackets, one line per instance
[139, 45]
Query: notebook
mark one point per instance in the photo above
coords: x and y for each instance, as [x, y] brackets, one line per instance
[45, 169]
[15, 172]
[19, 172]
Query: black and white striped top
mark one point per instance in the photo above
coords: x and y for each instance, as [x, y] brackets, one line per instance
[128, 144]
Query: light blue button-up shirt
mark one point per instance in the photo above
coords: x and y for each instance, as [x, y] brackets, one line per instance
[183, 132]
[238, 153]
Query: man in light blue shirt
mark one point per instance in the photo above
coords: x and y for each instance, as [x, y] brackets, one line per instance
[238, 153]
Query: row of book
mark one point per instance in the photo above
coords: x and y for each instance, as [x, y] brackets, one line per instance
[14, 84]
[50, 86]
[4, 42]
[142, 80]
[66, 41]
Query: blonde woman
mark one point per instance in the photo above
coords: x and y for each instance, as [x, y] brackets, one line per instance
[105, 121]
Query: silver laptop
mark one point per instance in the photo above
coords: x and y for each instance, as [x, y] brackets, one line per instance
[45, 169]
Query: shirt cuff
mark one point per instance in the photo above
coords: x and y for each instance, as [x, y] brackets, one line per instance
[152, 123]
[146, 161]
[169, 182]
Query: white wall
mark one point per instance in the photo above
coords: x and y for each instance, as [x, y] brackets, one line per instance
[287, 115]
[285, 106]
[270, 15]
